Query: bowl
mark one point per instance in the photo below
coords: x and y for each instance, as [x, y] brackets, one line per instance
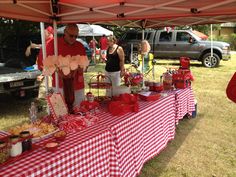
[60, 135]
[51, 146]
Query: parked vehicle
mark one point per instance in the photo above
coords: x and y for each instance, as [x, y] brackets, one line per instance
[17, 76]
[175, 44]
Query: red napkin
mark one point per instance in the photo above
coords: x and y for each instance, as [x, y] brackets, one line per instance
[231, 89]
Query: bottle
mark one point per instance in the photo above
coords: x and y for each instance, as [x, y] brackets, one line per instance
[16, 146]
[33, 112]
[26, 141]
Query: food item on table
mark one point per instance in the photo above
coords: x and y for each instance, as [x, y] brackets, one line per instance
[52, 146]
[4, 152]
[60, 135]
[37, 129]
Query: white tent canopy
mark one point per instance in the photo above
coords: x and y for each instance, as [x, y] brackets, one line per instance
[89, 30]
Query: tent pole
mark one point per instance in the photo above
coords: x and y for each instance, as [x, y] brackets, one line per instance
[56, 52]
[44, 51]
[143, 60]
[211, 44]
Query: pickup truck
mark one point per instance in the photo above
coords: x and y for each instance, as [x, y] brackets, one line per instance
[18, 81]
[175, 44]
[17, 76]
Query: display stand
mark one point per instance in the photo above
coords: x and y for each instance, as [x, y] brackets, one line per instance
[98, 82]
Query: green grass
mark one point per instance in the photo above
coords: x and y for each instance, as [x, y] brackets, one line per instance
[203, 147]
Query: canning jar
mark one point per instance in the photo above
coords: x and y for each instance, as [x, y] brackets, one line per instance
[26, 140]
[16, 146]
[4, 151]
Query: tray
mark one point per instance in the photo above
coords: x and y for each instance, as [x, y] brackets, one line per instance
[149, 96]
[37, 139]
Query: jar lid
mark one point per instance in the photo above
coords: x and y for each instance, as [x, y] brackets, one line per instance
[2, 144]
[14, 138]
[24, 133]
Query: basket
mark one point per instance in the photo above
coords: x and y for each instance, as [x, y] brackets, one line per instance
[133, 78]
[99, 82]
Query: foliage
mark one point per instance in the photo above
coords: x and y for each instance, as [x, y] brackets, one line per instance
[202, 28]
[10, 26]
[232, 41]
[118, 31]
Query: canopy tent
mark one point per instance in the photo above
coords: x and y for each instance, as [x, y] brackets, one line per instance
[135, 13]
[89, 30]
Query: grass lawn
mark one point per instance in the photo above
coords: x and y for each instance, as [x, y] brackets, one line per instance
[203, 147]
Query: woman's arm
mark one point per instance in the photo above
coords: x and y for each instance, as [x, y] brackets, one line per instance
[121, 55]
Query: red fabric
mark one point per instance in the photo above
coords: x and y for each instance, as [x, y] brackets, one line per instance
[231, 88]
[103, 43]
[87, 106]
[40, 56]
[92, 44]
[64, 49]
[50, 29]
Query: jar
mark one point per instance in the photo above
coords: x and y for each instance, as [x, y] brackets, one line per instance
[26, 140]
[16, 146]
[4, 152]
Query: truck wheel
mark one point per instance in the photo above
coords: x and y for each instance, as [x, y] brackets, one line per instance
[211, 62]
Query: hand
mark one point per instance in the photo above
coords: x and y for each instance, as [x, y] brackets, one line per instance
[40, 78]
[122, 73]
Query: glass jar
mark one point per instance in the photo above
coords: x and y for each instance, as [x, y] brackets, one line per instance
[4, 151]
[16, 146]
[26, 140]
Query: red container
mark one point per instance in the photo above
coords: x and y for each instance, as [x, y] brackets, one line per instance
[184, 62]
[152, 97]
[51, 146]
[60, 135]
[182, 84]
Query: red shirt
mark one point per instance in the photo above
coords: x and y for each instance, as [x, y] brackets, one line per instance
[40, 55]
[65, 49]
[103, 43]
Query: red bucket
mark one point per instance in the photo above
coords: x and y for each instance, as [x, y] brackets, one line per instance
[184, 62]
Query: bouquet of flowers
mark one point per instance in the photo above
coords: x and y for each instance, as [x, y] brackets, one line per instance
[64, 64]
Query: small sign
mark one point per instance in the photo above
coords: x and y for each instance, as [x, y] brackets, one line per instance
[16, 84]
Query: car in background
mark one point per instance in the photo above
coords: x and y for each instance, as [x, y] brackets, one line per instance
[86, 46]
[175, 44]
[17, 74]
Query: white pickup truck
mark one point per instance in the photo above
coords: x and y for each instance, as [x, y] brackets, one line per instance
[16, 73]
[18, 81]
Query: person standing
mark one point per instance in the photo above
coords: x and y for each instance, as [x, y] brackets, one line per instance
[114, 68]
[48, 32]
[68, 45]
[103, 47]
[92, 45]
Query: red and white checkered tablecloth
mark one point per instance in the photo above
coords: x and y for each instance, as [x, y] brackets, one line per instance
[117, 146]
[3, 134]
[139, 137]
[88, 153]
[184, 103]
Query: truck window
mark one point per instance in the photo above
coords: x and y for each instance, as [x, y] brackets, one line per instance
[147, 35]
[165, 36]
[131, 36]
[183, 36]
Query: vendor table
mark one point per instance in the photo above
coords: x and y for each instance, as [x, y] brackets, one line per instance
[138, 137]
[89, 152]
[116, 146]
[184, 103]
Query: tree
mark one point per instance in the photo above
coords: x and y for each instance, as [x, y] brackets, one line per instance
[16, 27]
